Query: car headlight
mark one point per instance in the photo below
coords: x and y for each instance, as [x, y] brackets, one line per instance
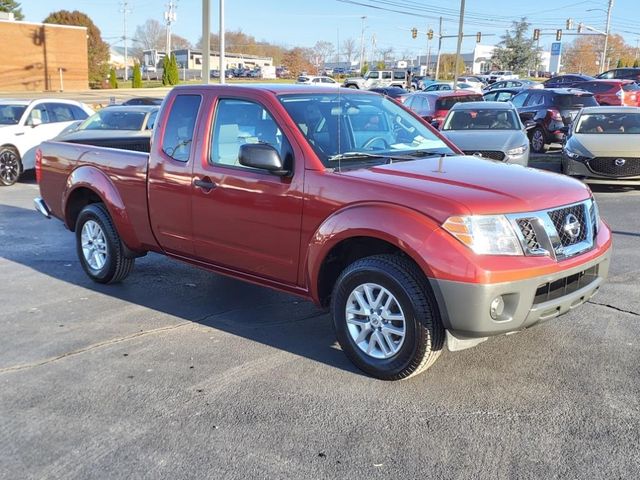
[517, 151]
[572, 155]
[485, 234]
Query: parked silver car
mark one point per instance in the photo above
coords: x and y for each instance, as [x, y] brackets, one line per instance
[488, 129]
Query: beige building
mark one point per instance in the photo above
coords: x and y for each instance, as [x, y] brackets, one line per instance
[42, 57]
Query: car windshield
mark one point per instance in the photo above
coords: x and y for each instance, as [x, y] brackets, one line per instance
[574, 101]
[114, 120]
[11, 114]
[352, 128]
[608, 123]
[481, 119]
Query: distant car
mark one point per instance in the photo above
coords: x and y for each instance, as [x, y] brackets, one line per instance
[433, 106]
[24, 124]
[500, 75]
[143, 101]
[501, 94]
[566, 81]
[602, 145]
[552, 110]
[488, 129]
[121, 127]
[438, 86]
[420, 82]
[398, 93]
[628, 73]
[612, 92]
[474, 82]
[512, 84]
[318, 81]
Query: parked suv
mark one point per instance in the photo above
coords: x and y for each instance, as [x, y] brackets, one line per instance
[566, 81]
[378, 78]
[622, 74]
[553, 110]
[434, 106]
[613, 92]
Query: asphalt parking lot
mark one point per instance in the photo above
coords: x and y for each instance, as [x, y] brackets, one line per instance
[179, 373]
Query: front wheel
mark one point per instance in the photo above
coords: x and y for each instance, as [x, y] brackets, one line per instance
[385, 317]
[10, 166]
[537, 140]
[99, 247]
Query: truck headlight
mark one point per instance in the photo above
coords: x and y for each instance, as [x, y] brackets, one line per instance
[485, 234]
[517, 151]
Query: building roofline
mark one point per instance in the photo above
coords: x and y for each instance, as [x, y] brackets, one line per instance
[40, 24]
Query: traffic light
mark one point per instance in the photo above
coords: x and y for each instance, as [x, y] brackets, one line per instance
[430, 34]
[478, 37]
[558, 35]
[414, 32]
[536, 34]
[569, 23]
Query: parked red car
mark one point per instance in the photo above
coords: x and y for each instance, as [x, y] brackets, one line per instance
[613, 92]
[434, 106]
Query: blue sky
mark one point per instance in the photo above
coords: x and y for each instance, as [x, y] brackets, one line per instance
[303, 22]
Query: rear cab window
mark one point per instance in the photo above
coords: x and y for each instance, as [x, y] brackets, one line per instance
[178, 132]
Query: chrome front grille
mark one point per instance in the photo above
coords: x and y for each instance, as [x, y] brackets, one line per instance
[490, 154]
[560, 233]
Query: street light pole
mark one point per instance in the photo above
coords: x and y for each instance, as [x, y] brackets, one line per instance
[222, 70]
[206, 41]
[455, 73]
[362, 44]
[606, 36]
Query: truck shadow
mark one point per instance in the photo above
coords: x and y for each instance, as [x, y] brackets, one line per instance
[256, 313]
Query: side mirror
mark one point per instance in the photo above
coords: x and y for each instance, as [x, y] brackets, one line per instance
[564, 130]
[34, 122]
[435, 124]
[529, 124]
[262, 156]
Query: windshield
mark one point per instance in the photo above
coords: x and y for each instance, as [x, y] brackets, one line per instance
[609, 123]
[11, 114]
[114, 120]
[481, 119]
[574, 101]
[361, 127]
[445, 103]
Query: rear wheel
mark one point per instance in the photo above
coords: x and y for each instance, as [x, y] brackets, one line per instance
[385, 317]
[538, 140]
[99, 247]
[10, 166]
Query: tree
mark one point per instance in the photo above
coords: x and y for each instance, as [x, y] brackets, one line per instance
[636, 64]
[448, 66]
[296, 61]
[170, 75]
[620, 63]
[387, 55]
[322, 50]
[150, 35]
[585, 53]
[11, 6]
[240, 42]
[136, 80]
[113, 81]
[98, 50]
[517, 50]
[349, 49]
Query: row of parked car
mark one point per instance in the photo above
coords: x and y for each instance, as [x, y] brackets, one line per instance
[24, 124]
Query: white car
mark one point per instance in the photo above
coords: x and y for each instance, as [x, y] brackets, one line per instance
[24, 124]
[318, 81]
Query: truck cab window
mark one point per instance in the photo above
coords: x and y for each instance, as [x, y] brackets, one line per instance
[178, 134]
[238, 122]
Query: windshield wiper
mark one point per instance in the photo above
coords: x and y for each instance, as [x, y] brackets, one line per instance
[429, 153]
[355, 155]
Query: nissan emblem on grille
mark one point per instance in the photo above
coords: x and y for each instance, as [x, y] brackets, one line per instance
[620, 162]
[572, 226]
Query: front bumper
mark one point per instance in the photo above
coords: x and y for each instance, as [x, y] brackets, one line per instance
[465, 307]
[576, 168]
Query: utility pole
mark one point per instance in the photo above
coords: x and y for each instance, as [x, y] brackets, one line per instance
[125, 10]
[221, 53]
[606, 37]
[206, 41]
[373, 48]
[362, 44]
[455, 74]
[439, 49]
[169, 18]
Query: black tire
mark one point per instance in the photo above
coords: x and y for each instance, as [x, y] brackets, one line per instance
[535, 146]
[10, 166]
[117, 265]
[351, 85]
[424, 337]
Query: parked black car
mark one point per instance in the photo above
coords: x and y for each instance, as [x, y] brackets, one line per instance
[398, 93]
[501, 94]
[628, 73]
[552, 110]
[566, 81]
[143, 101]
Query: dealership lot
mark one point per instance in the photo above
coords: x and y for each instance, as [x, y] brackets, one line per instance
[179, 373]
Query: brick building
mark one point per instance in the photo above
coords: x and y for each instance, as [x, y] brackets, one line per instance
[42, 57]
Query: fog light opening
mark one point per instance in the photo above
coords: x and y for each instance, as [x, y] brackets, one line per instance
[496, 309]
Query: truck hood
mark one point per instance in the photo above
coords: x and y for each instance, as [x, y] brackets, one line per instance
[603, 145]
[472, 140]
[469, 185]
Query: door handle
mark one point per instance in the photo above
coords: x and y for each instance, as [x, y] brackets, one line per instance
[19, 133]
[205, 184]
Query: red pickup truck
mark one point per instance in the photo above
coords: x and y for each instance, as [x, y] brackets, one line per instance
[342, 197]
